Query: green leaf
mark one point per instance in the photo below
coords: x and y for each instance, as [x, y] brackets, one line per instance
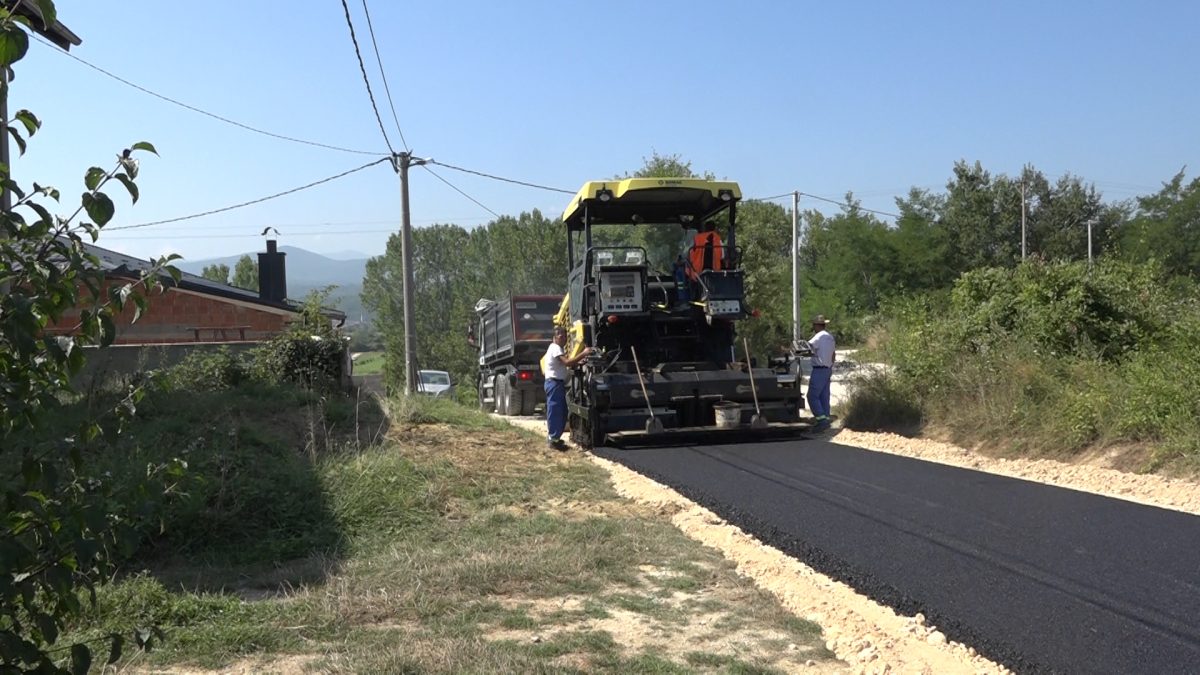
[47, 627]
[108, 330]
[129, 185]
[139, 303]
[13, 44]
[49, 13]
[94, 177]
[17, 137]
[143, 145]
[114, 652]
[99, 207]
[43, 214]
[81, 659]
[31, 122]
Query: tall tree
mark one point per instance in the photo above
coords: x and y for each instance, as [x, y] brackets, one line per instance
[217, 273]
[1166, 227]
[245, 273]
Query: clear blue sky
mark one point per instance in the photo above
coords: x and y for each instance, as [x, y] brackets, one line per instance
[873, 97]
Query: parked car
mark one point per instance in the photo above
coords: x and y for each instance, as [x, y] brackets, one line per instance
[434, 383]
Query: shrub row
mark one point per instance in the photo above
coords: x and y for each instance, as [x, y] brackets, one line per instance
[1049, 358]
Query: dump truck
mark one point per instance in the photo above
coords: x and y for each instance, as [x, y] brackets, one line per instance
[656, 290]
[512, 335]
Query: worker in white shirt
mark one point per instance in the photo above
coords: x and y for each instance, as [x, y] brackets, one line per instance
[556, 367]
[823, 356]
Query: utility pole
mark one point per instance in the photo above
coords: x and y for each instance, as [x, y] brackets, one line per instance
[795, 267]
[1089, 224]
[1022, 218]
[400, 162]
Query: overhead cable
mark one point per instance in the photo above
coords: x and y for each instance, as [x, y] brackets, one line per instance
[366, 80]
[459, 191]
[192, 108]
[850, 206]
[288, 235]
[500, 178]
[382, 76]
[251, 202]
[769, 199]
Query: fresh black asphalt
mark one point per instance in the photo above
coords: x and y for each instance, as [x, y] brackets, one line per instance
[1039, 578]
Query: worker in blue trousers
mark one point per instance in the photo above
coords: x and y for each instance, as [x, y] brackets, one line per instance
[556, 367]
[823, 357]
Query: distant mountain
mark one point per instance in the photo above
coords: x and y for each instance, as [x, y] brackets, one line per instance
[306, 272]
[347, 255]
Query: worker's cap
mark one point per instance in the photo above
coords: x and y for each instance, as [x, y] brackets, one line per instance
[819, 320]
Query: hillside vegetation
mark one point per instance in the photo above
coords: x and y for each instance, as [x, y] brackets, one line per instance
[1048, 358]
[313, 532]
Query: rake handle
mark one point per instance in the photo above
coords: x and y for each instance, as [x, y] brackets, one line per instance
[638, 367]
[750, 370]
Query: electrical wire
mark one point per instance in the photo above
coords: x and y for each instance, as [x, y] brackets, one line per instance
[456, 189]
[192, 108]
[289, 235]
[251, 202]
[500, 178]
[382, 76]
[850, 206]
[366, 80]
[769, 199]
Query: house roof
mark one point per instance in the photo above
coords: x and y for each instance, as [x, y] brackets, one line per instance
[120, 264]
[56, 32]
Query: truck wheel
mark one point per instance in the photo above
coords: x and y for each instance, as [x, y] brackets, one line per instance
[529, 403]
[515, 400]
[501, 394]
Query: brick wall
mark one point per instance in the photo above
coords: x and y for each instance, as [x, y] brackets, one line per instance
[171, 316]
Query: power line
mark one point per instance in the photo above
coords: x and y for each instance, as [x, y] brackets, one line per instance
[824, 199]
[856, 207]
[292, 227]
[286, 235]
[366, 80]
[192, 108]
[769, 199]
[499, 178]
[383, 77]
[251, 202]
[456, 189]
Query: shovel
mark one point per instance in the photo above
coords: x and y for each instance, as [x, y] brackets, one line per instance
[757, 421]
[653, 425]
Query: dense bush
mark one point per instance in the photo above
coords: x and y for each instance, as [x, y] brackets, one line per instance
[208, 371]
[1053, 357]
[315, 360]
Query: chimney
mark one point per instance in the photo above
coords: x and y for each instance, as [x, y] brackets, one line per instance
[272, 274]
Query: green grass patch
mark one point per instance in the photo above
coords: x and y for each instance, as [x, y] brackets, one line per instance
[412, 556]
[369, 363]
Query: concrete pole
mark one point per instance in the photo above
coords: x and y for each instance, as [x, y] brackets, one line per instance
[410, 329]
[1022, 219]
[1089, 223]
[795, 267]
[401, 161]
